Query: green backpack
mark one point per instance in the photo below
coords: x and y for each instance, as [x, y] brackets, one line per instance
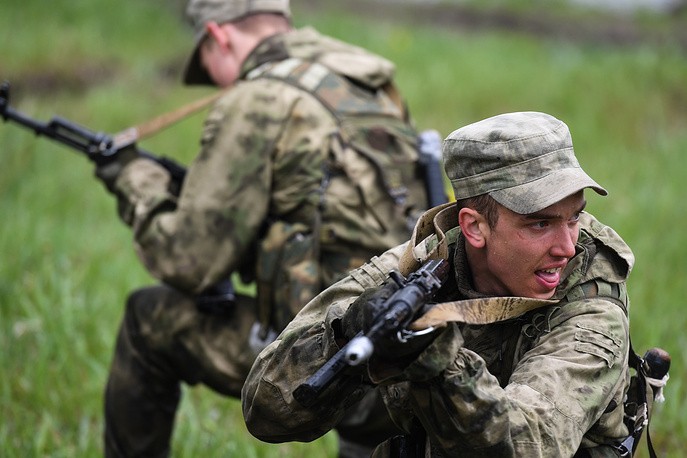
[371, 195]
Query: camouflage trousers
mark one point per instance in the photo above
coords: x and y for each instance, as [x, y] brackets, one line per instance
[165, 340]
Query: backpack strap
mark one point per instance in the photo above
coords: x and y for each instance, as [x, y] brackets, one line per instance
[612, 292]
[637, 421]
[651, 376]
[342, 97]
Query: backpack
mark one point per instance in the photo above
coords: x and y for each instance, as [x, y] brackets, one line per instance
[371, 194]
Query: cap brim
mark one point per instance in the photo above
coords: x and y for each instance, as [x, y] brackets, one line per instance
[195, 73]
[538, 194]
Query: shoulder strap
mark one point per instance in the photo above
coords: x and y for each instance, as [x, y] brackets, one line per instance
[370, 121]
[328, 85]
[639, 421]
[613, 292]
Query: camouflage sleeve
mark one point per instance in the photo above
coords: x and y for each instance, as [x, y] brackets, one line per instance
[269, 408]
[197, 240]
[556, 393]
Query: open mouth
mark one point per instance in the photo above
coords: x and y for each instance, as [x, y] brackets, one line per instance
[550, 277]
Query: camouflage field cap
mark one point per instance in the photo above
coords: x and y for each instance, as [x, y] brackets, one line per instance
[524, 160]
[200, 12]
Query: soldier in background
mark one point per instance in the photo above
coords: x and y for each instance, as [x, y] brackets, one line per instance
[307, 167]
[549, 382]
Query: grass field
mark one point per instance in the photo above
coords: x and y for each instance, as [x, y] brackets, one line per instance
[68, 263]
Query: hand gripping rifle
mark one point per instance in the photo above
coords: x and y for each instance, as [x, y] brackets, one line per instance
[100, 147]
[97, 146]
[399, 310]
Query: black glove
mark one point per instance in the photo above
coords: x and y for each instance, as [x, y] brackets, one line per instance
[109, 168]
[368, 308]
[363, 312]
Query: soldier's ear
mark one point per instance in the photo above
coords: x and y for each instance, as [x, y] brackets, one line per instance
[218, 33]
[473, 226]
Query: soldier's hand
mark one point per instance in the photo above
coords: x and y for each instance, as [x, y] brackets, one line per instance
[436, 357]
[108, 169]
[370, 307]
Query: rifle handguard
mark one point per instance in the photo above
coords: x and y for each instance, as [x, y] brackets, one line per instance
[403, 305]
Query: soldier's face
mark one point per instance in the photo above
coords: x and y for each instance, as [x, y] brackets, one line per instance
[524, 255]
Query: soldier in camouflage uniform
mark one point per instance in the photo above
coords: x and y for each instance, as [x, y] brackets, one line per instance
[308, 167]
[549, 382]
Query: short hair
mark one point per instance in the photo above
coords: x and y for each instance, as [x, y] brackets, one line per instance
[485, 205]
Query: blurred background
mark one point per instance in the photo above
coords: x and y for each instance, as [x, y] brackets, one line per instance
[614, 71]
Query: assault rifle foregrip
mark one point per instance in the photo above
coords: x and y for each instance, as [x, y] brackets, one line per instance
[97, 146]
[399, 311]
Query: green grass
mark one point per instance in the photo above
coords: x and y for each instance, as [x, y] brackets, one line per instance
[68, 263]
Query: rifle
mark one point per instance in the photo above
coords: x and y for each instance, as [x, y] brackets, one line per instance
[97, 146]
[399, 310]
[429, 147]
[100, 148]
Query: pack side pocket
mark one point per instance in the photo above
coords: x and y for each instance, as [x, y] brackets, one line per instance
[288, 273]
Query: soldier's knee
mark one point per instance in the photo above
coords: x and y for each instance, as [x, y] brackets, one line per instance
[142, 311]
[142, 302]
[154, 315]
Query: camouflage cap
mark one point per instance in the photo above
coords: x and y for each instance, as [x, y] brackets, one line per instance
[525, 161]
[200, 12]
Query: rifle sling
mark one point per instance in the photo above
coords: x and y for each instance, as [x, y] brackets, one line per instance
[133, 134]
[477, 311]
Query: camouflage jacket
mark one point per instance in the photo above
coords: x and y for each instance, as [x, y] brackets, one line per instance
[262, 160]
[545, 384]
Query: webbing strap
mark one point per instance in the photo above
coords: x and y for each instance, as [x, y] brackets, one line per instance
[612, 292]
[617, 293]
[629, 445]
[478, 311]
[154, 125]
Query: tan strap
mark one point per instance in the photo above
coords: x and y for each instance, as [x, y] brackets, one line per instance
[478, 311]
[133, 134]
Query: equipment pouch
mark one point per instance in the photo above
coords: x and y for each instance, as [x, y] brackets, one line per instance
[288, 273]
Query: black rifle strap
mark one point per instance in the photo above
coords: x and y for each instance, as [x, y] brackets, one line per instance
[628, 447]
